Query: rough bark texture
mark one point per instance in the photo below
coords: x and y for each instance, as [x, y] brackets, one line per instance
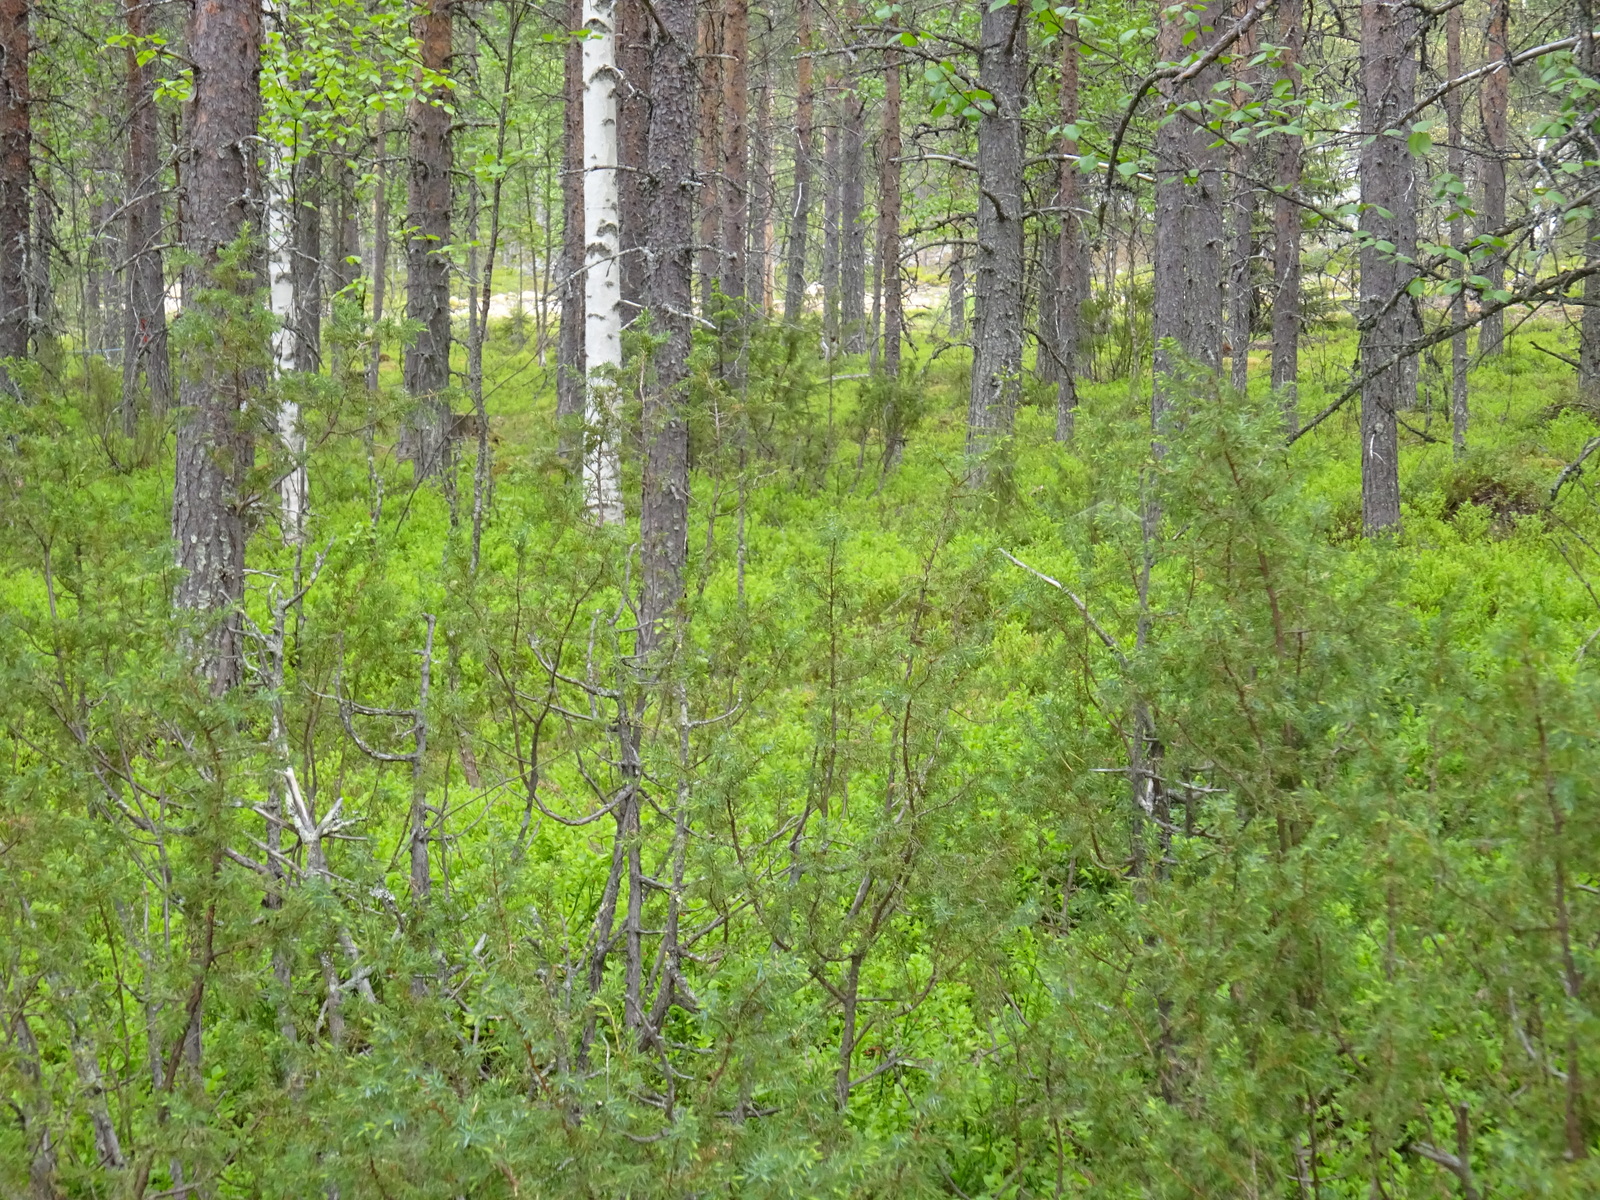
[735, 149]
[144, 351]
[889, 215]
[306, 229]
[214, 446]
[570, 367]
[758, 273]
[709, 194]
[427, 360]
[1457, 165]
[1286, 223]
[1495, 98]
[1242, 155]
[832, 234]
[956, 317]
[15, 177]
[852, 206]
[794, 292]
[1189, 236]
[1071, 283]
[997, 342]
[1589, 329]
[633, 129]
[1388, 79]
[664, 512]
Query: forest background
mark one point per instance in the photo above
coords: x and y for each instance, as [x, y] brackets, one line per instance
[655, 598]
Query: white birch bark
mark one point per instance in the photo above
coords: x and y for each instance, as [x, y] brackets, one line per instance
[602, 484]
[294, 486]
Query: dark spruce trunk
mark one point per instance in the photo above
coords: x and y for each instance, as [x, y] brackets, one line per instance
[1242, 157]
[633, 129]
[997, 335]
[1071, 282]
[427, 359]
[221, 231]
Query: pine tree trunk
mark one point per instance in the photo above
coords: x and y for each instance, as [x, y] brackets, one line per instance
[710, 196]
[1071, 282]
[758, 275]
[1456, 135]
[427, 359]
[144, 351]
[602, 298]
[633, 131]
[1588, 55]
[214, 448]
[997, 342]
[852, 206]
[664, 512]
[832, 233]
[956, 316]
[380, 254]
[1189, 276]
[889, 216]
[1495, 98]
[735, 149]
[306, 228]
[570, 369]
[1286, 224]
[15, 177]
[794, 292]
[1388, 74]
[1242, 213]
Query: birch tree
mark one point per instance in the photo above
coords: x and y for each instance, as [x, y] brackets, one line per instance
[602, 295]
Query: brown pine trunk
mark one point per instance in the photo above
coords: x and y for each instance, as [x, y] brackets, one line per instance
[570, 365]
[633, 131]
[794, 292]
[664, 512]
[758, 272]
[997, 340]
[889, 216]
[427, 359]
[1388, 79]
[144, 348]
[852, 205]
[1189, 277]
[1072, 249]
[1242, 213]
[15, 177]
[735, 149]
[1495, 100]
[380, 256]
[214, 447]
[710, 134]
[1456, 134]
[1286, 225]
[832, 233]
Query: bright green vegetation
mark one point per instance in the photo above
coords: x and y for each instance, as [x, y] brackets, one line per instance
[887, 767]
